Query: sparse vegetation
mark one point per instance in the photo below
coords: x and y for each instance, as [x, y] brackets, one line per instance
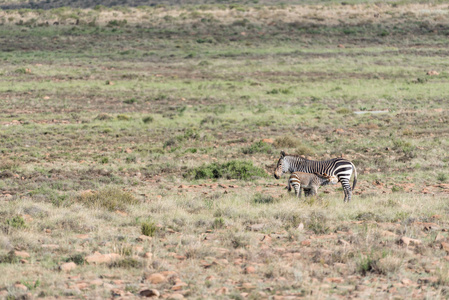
[231, 170]
[132, 149]
[110, 198]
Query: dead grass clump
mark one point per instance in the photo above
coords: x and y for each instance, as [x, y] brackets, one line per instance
[285, 142]
[304, 150]
[148, 228]
[109, 198]
[103, 117]
[379, 262]
[9, 258]
[263, 199]
[126, 263]
[8, 164]
[318, 223]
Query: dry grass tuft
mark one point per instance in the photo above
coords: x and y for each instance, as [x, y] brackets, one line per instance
[111, 198]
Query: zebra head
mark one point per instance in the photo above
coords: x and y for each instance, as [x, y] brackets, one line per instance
[281, 167]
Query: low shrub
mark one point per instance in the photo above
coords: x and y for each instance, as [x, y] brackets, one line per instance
[258, 147]
[109, 198]
[263, 199]
[285, 142]
[230, 170]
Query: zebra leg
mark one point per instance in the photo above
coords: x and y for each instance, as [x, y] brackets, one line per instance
[347, 189]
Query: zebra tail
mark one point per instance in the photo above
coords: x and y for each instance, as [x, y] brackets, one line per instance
[355, 177]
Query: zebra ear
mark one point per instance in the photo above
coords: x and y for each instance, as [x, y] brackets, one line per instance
[282, 153]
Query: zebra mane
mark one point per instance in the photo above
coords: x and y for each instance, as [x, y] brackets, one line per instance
[296, 155]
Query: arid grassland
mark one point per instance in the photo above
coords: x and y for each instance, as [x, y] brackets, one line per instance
[138, 146]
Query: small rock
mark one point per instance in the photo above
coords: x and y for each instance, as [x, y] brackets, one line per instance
[409, 242]
[306, 243]
[343, 242]
[98, 258]
[256, 227]
[156, 278]
[117, 292]
[150, 293]
[50, 246]
[20, 286]
[445, 246]
[179, 285]
[222, 291]
[143, 238]
[426, 280]
[300, 227]
[268, 141]
[248, 286]
[406, 281]
[175, 296]
[67, 267]
[82, 236]
[22, 254]
[334, 279]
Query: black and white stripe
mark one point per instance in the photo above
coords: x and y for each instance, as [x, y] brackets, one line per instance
[340, 167]
[309, 182]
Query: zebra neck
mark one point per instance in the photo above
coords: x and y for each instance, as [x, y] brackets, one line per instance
[295, 164]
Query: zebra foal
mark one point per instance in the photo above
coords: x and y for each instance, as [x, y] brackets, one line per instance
[307, 181]
[339, 167]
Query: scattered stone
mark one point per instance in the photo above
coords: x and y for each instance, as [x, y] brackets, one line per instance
[179, 286]
[268, 141]
[117, 293]
[156, 278]
[22, 254]
[343, 242]
[96, 282]
[300, 227]
[409, 241]
[82, 236]
[150, 293]
[175, 296]
[222, 291]
[98, 258]
[334, 279]
[248, 286]
[20, 286]
[445, 246]
[388, 233]
[427, 280]
[256, 227]
[143, 238]
[306, 243]
[266, 239]
[406, 281]
[50, 246]
[67, 267]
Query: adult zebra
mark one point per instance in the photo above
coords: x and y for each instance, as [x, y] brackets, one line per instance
[342, 168]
